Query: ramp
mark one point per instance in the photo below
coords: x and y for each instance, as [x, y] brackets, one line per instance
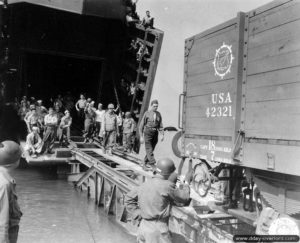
[109, 178]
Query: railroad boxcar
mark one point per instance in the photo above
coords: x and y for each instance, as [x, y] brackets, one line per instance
[241, 99]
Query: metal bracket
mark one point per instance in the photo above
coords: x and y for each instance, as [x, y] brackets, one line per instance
[238, 146]
[271, 161]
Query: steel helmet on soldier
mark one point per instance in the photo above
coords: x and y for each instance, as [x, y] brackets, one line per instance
[10, 153]
[111, 106]
[165, 166]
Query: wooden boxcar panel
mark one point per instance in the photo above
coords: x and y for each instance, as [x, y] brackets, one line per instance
[279, 33]
[204, 68]
[272, 104]
[286, 45]
[212, 150]
[210, 100]
[205, 78]
[278, 77]
[283, 159]
[286, 91]
[273, 18]
[273, 83]
[200, 122]
[203, 48]
[265, 119]
[272, 63]
[198, 89]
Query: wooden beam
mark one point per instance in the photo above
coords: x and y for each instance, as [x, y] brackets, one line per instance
[85, 176]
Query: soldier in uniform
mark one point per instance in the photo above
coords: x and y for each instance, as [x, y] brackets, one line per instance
[151, 202]
[99, 117]
[51, 122]
[10, 213]
[150, 125]
[41, 110]
[128, 129]
[34, 143]
[65, 128]
[89, 123]
[32, 119]
[109, 129]
[80, 105]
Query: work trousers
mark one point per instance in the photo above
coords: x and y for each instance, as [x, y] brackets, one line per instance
[232, 189]
[127, 140]
[151, 139]
[81, 116]
[97, 129]
[13, 232]
[153, 231]
[33, 125]
[88, 128]
[109, 139]
[38, 148]
[63, 132]
[120, 137]
[49, 138]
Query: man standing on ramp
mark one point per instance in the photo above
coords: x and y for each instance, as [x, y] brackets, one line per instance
[150, 125]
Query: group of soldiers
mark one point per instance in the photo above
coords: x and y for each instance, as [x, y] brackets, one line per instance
[149, 204]
[44, 126]
[107, 126]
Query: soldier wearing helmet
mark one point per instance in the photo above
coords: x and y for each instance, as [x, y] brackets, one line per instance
[109, 128]
[10, 212]
[151, 202]
[128, 129]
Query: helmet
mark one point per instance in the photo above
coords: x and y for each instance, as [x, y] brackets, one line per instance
[10, 153]
[128, 114]
[111, 106]
[32, 107]
[165, 166]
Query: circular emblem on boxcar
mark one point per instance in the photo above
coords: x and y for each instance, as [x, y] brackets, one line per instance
[223, 60]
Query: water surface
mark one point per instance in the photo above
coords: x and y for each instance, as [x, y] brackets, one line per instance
[54, 212]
